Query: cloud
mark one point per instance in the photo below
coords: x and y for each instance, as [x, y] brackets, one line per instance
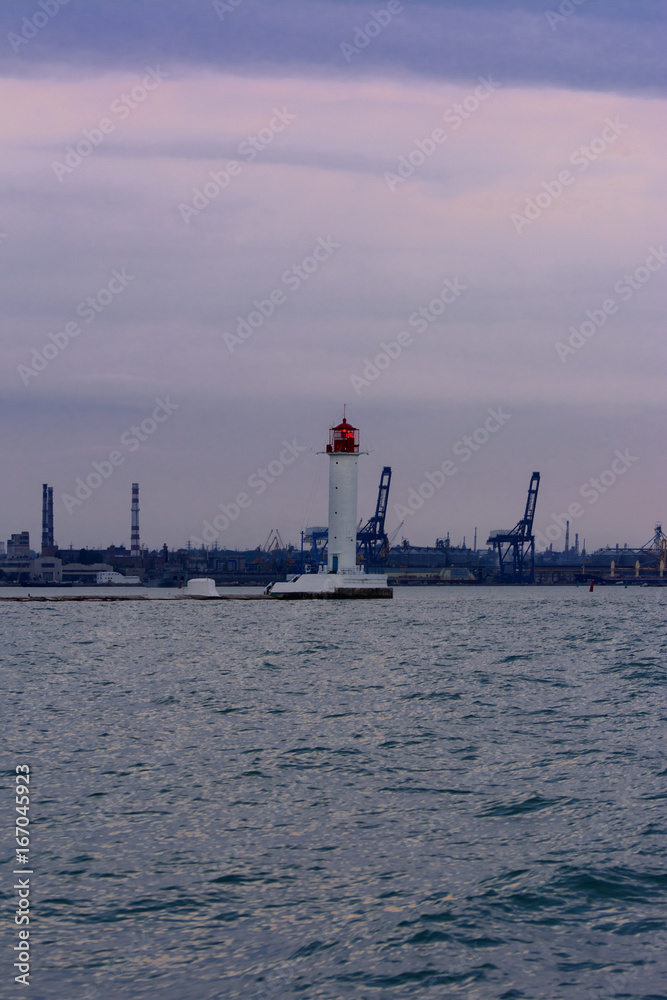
[602, 46]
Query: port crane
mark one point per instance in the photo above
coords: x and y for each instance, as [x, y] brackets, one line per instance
[274, 542]
[518, 545]
[372, 541]
[656, 548]
[394, 536]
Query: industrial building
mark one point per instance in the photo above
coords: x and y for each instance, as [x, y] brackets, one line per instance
[18, 546]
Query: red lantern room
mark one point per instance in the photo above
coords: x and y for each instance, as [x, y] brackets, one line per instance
[344, 438]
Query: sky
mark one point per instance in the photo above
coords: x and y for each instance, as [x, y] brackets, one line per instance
[222, 222]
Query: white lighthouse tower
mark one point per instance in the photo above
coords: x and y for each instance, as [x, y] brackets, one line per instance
[343, 452]
[343, 579]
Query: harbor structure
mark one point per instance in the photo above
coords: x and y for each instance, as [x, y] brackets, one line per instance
[343, 577]
[516, 548]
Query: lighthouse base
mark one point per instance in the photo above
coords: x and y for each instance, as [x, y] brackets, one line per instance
[332, 586]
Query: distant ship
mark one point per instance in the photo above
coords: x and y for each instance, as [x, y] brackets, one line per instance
[109, 578]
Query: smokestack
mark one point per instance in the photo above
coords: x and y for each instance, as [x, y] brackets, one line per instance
[45, 517]
[50, 517]
[136, 548]
[48, 547]
[567, 537]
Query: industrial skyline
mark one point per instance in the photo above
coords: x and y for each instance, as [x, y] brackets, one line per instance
[558, 534]
[348, 558]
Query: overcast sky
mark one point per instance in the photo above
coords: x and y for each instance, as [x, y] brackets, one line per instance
[338, 166]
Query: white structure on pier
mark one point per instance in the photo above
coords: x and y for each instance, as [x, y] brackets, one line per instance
[343, 579]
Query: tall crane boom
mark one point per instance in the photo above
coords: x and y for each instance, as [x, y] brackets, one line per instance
[371, 538]
[531, 504]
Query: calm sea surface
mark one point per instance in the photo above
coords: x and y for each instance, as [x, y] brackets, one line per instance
[458, 793]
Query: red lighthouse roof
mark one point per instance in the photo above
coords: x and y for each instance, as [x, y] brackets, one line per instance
[344, 438]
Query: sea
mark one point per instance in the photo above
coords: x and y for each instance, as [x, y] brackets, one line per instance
[457, 793]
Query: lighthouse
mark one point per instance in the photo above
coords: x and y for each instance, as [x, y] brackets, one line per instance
[343, 452]
[343, 578]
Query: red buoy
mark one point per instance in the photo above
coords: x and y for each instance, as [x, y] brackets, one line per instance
[590, 589]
